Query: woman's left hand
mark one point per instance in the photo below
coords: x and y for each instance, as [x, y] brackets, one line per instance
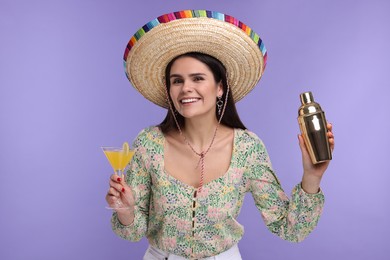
[312, 173]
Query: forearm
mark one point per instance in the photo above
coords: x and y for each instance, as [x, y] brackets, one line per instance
[130, 226]
[292, 219]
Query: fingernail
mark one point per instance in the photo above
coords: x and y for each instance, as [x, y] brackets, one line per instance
[123, 189]
[119, 179]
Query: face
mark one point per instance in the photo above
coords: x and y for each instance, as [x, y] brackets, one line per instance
[193, 88]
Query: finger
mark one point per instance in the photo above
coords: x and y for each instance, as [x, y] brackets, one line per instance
[331, 143]
[116, 178]
[329, 126]
[113, 192]
[302, 145]
[124, 187]
[111, 200]
[330, 136]
[124, 182]
[117, 186]
[122, 179]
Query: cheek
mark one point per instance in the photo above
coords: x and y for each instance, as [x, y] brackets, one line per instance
[173, 94]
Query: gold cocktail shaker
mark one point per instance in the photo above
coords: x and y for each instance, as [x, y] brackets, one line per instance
[312, 123]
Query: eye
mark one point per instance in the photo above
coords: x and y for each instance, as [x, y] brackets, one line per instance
[176, 81]
[198, 78]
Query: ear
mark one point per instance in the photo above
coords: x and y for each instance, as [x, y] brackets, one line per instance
[220, 89]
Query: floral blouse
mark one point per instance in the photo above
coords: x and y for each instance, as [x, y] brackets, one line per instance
[176, 219]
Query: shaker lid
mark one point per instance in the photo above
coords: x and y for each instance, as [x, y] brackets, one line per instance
[306, 98]
[309, 106]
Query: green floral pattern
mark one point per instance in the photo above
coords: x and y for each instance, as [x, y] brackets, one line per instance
[164, 205]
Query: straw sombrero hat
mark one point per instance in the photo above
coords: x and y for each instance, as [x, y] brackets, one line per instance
[152, 47]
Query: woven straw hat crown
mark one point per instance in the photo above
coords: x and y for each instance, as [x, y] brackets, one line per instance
[152, 47]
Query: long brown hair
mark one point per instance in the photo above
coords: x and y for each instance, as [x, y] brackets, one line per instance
[230, 117]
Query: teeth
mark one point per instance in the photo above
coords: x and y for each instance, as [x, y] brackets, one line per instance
[189, 100]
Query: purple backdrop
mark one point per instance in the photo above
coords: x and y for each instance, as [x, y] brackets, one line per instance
[63, 94]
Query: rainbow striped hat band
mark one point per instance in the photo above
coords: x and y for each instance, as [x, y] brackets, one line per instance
[222, 36]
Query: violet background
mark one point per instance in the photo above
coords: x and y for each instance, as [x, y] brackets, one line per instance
[63, 94]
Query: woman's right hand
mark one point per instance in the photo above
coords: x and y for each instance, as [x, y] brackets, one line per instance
[121, 194]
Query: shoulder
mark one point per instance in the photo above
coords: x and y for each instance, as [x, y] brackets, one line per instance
[149, 136]
[248, 137]
[252, 152]
[249, 144]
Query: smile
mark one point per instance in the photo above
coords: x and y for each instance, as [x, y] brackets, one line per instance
[189, 100]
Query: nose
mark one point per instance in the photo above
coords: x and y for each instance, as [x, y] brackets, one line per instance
[187, 86]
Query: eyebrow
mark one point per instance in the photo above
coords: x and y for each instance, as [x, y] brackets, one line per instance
[191, 75]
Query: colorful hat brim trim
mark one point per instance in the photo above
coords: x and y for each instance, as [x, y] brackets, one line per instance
[196, 13]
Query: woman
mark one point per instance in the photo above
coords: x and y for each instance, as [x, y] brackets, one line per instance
[186, 183]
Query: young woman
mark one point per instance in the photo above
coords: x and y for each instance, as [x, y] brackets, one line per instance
[186, 183]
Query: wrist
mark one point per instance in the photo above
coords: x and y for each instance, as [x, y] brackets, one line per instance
[311, 184]
[125, 216]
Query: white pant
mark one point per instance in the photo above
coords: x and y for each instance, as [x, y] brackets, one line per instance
[153, 253]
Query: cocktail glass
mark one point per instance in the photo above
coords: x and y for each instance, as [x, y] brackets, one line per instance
[118, 157]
